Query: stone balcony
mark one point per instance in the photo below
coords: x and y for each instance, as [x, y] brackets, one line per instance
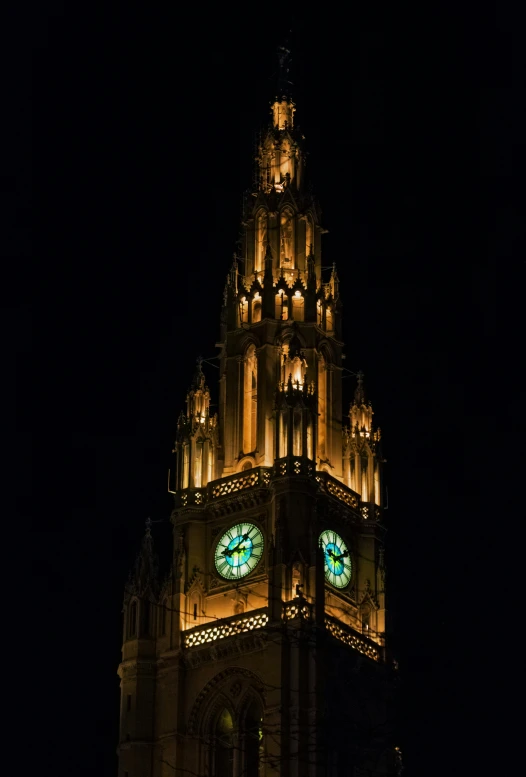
[300, 610]
[261, 478]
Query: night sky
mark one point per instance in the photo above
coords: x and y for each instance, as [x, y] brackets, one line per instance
[148, 120]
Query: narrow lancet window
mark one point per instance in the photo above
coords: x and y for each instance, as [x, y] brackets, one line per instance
[223, 755]
[250, 400]
[286, 240]
[261, 241]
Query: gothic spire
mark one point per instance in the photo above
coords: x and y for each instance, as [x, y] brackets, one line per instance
[284, 59]
[146, 570]
[199, 377]
[359, 392]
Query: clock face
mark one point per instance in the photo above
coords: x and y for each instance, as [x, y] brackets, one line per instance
[239, 551]
[337, 559]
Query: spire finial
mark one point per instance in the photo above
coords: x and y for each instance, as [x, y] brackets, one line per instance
[145, 574]
[284, 60]
[198, 380]
[359, 394]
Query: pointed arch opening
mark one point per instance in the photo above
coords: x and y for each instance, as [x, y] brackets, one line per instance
[252, 738]
[297, 444]
[298, 307]
[286, 250]
[223, 745]
[250, 400]
[281, 306]
[243, 311]
[322, 406]
[186, 465]
[261, 240]
[198, 464]
[256, 308]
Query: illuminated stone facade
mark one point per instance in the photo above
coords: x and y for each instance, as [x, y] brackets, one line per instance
[277, 671]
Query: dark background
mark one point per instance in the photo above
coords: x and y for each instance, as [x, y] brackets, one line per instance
[146, 123]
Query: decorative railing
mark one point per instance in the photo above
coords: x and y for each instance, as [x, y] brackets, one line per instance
[191, 496]
[370, 511]
[294, 465]
[227, 627]
[258, 619]
[260, 477]
[350, 637]
[336, 489]
[252, 478]
[297, 608]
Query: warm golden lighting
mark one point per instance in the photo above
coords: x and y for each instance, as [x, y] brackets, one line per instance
[261, 474]
[298, 308]
[283, 114]
[250, 400]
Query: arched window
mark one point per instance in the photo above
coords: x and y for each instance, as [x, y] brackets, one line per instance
[198, 464]
[298, 307]
[329, 326]
[322, 407]
[286, 250]
[186, 465]
[283, 433]
[252, 743]
[250, 400]
[297, 445]
[243, 310]
[132, 620]
[261, 241]
[282, 306]
[256, 308]
[364, 491]
[223, 755]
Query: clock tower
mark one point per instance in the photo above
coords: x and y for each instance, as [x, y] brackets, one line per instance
[262, 651]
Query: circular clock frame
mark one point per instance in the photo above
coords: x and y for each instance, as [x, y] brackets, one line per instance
[238, 551]
[336, 558]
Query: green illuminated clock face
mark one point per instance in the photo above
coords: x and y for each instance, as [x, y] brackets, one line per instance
[239, 551]
[337, 559]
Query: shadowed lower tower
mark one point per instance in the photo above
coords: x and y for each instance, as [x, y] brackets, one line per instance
[262, 651]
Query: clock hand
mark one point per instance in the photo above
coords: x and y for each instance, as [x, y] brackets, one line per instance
[231, 552]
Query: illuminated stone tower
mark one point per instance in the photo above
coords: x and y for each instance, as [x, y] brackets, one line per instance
[262, 652]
